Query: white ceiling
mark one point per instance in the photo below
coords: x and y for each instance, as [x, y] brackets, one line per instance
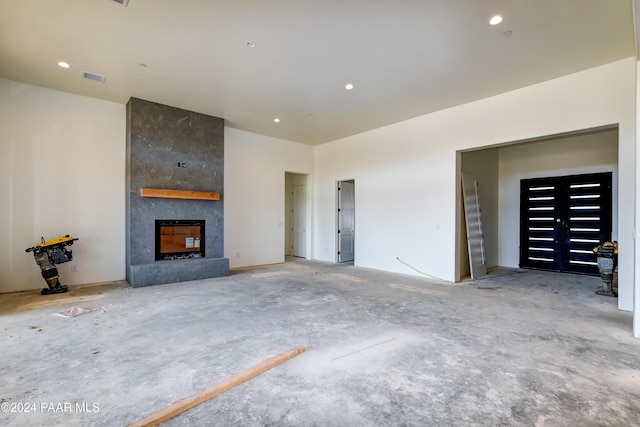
[405, 57]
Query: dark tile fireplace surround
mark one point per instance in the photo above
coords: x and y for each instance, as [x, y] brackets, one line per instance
[170, 148]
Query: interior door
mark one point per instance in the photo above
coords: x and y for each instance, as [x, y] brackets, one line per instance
[562, 219]
[346, 221]
[299, 221]
[473, 220]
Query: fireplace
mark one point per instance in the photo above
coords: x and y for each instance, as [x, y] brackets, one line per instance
[179, 155]
[180, 239]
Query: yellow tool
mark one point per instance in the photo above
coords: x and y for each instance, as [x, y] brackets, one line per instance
[47, 255]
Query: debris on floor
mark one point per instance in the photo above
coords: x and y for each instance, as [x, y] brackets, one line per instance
[71, 312]
[218, 388]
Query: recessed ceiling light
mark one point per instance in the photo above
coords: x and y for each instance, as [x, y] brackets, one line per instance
[495, 20]
[63, 64]
[507, 33]
[348, 86]
[251, 44]
[276, 120]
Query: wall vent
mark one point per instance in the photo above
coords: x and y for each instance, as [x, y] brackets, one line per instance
[92, 76]
[122, 2]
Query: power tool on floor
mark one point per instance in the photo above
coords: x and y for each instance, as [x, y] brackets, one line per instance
[47, 255]
[607, 257]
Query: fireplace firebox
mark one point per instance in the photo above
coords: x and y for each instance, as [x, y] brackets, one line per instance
[179, 239]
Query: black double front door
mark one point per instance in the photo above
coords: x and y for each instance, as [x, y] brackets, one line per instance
[562, 219]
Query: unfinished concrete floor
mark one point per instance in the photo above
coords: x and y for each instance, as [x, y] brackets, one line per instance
[524, 348]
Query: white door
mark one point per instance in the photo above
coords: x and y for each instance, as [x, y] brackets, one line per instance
[346, 221]
[473, 219]
[299, 221]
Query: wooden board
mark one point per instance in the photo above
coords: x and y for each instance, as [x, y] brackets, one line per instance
[216, 389]
[179, 194]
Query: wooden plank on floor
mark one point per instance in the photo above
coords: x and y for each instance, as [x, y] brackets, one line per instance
[216, 389]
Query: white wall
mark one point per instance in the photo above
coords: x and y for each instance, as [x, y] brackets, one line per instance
[573, 155]
[407, 176]
[254, 195]
[62, 171]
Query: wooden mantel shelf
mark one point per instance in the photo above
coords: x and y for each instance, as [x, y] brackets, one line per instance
[179, 194]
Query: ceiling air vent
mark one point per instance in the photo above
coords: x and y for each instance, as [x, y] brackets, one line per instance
[122, 2]
[96, 77]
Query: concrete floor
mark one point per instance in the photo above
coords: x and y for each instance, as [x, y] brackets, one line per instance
[519, 348]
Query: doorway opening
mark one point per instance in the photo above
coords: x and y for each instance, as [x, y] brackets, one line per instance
[296, 215]
[500, 169]
[346, 222]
